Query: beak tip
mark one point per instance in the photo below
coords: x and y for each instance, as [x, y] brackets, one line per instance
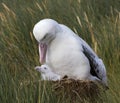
[41, 61]
[37, 68]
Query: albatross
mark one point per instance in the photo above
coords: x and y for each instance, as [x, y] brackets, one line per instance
[46, 73]
[66, 53]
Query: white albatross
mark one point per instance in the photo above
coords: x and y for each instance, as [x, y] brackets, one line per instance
[66, 53]
[46, 73]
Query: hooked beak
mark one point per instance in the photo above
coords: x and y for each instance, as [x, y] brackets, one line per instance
[42, 52]
[37, 68]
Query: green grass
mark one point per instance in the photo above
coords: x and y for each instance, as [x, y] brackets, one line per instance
[97, 22]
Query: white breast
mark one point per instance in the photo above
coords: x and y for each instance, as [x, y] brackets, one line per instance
[65, 57]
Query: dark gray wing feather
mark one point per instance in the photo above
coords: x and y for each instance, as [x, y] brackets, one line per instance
[93, 63]
[97, 66]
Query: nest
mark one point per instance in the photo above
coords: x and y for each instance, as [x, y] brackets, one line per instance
[78, 90]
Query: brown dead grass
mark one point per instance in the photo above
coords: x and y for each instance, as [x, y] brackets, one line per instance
[78, 90]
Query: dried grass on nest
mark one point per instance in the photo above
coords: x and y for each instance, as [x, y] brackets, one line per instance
[77, 89]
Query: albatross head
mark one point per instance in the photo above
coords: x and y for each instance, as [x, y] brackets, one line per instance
[43, 69]
[44, 32]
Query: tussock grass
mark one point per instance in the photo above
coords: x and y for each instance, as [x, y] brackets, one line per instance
[97, 22]
[79, 91]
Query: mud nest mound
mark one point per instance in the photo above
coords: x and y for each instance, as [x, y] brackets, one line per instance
[78, 89]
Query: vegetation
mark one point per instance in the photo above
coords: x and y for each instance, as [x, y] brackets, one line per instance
[96, 21]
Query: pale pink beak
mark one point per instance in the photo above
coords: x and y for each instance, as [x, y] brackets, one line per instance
[42, 52]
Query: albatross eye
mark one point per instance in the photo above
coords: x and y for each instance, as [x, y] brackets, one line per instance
[45, 68]
[44, 37]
